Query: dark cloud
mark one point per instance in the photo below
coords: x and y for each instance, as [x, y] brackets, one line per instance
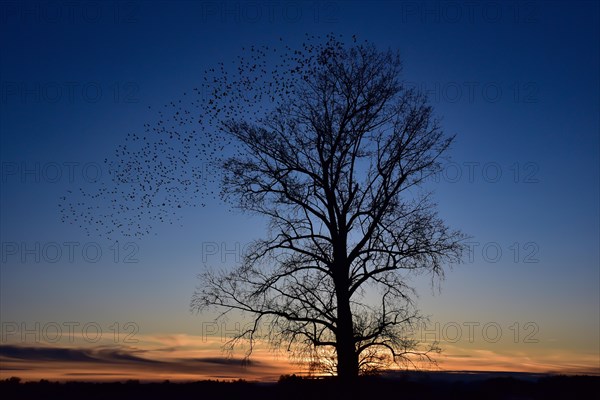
[222, 361]
[126, 360]
[44, 353]
[61, 354]
[93, 374]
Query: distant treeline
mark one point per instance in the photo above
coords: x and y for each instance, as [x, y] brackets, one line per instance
[292, 387]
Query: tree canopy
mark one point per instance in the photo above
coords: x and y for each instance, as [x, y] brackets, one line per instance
[336, 164]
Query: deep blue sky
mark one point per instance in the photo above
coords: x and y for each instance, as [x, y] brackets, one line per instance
[517, 82]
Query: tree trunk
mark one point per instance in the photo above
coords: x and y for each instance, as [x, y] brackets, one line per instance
[347, 359]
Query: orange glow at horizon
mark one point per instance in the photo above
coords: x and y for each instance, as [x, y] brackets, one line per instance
[190, 358]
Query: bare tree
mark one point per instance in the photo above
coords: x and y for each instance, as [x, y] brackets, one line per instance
[326, 142]
[337, 162]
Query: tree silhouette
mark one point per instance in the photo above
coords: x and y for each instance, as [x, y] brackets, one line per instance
[327, 142]
[337, 165]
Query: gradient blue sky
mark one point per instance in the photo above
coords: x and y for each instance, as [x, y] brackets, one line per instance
[517, 82]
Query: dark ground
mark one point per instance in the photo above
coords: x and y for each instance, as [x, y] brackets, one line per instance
[420, 387]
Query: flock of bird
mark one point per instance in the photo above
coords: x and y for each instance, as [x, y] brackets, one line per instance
[176, 162]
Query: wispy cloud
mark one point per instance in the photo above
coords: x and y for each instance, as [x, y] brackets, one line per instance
[555, 361]
[60, 363]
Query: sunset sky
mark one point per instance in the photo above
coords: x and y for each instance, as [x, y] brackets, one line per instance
[517, 82]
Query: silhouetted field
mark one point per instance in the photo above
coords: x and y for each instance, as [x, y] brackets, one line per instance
[289, 388]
